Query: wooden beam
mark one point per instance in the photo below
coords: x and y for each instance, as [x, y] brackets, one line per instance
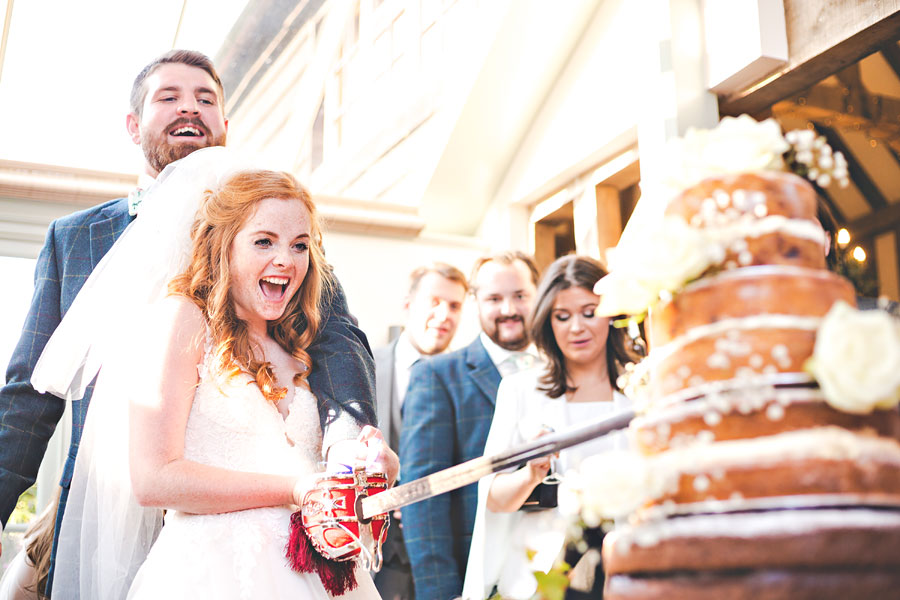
[609, 219]
[822, 41]
[891, 54]
[870, 111]
[883, 130]
[888, 269]
[894, 155]
[68, 185]
[861, 179]
[857, 97]
[886, 219]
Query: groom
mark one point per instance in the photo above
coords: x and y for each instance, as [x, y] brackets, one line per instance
[177, 107]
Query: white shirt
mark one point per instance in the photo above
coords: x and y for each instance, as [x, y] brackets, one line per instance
[500, 541]
[405, 356]
[509, 361]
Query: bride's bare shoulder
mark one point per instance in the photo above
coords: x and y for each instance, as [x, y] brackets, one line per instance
[178, 317]
[181, 307]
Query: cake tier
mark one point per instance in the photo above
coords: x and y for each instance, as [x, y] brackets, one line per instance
[749, 413]
[774, 290]
[768, 584]
[781, 539]
[812, 462]
[759, 218]
[782, 194]
[753, 350]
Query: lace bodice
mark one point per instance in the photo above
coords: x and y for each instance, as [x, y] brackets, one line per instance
[232, 425]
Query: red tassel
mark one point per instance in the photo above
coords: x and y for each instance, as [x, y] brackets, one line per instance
[337, 577]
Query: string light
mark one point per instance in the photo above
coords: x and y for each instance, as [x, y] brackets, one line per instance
[859, 254]
[843, 237]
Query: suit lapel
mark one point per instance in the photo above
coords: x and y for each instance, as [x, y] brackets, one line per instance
[482, 370]
[106, 230]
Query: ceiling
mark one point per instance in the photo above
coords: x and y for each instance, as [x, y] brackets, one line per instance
[66, 69]
[858, 111]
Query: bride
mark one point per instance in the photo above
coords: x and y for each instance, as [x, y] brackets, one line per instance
[206, 414]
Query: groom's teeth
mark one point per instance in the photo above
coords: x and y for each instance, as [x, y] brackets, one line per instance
[186, 131]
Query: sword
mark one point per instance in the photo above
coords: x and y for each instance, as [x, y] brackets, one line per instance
[471, 471]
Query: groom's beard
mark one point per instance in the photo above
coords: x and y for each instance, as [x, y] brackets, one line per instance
[159, 152]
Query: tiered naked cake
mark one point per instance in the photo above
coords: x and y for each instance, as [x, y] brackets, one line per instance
[765, 489]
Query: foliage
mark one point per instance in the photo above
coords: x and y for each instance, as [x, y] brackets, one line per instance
[860, 273]
[25, 507]
[552, 584]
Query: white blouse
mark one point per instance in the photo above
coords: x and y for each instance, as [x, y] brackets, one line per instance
[500, 540]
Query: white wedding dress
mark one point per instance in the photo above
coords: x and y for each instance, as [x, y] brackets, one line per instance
[241, 554]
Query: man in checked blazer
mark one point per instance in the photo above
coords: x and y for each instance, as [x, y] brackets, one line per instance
[447, 414]
[177, 106]
[433, 307]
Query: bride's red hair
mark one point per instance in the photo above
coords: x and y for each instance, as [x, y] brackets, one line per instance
[207, 279]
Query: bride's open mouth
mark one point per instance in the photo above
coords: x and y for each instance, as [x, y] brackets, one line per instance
[274, 288]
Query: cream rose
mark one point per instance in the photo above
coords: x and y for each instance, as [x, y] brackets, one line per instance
[612, 485]
[856, 359]
[669, 254]
[735, 145]
[623, 295]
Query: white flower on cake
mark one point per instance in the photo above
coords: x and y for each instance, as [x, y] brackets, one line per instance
[736, 145]
[668, 253]
[856, 359]
[670, 256]
[611, 485]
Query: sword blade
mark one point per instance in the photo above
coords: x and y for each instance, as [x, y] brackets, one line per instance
[471, 471]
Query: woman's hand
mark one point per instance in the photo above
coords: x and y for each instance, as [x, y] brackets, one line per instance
[538, 468]
[509, 491]
[301, 486]
[377, 452]
[368, 450]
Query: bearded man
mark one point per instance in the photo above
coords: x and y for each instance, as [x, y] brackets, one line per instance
[177, 107]
[447, 414]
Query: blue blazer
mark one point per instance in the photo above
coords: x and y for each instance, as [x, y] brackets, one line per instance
[447, 414]
[343, 367]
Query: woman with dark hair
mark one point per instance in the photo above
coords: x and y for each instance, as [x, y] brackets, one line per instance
[517, 530]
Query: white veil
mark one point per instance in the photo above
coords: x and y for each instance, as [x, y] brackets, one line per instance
[105, 535]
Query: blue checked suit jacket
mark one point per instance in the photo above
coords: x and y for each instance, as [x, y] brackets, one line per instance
[343, 366]
[447, 414]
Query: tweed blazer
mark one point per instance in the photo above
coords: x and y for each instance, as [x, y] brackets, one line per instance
[447, 414]
[343, 369]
